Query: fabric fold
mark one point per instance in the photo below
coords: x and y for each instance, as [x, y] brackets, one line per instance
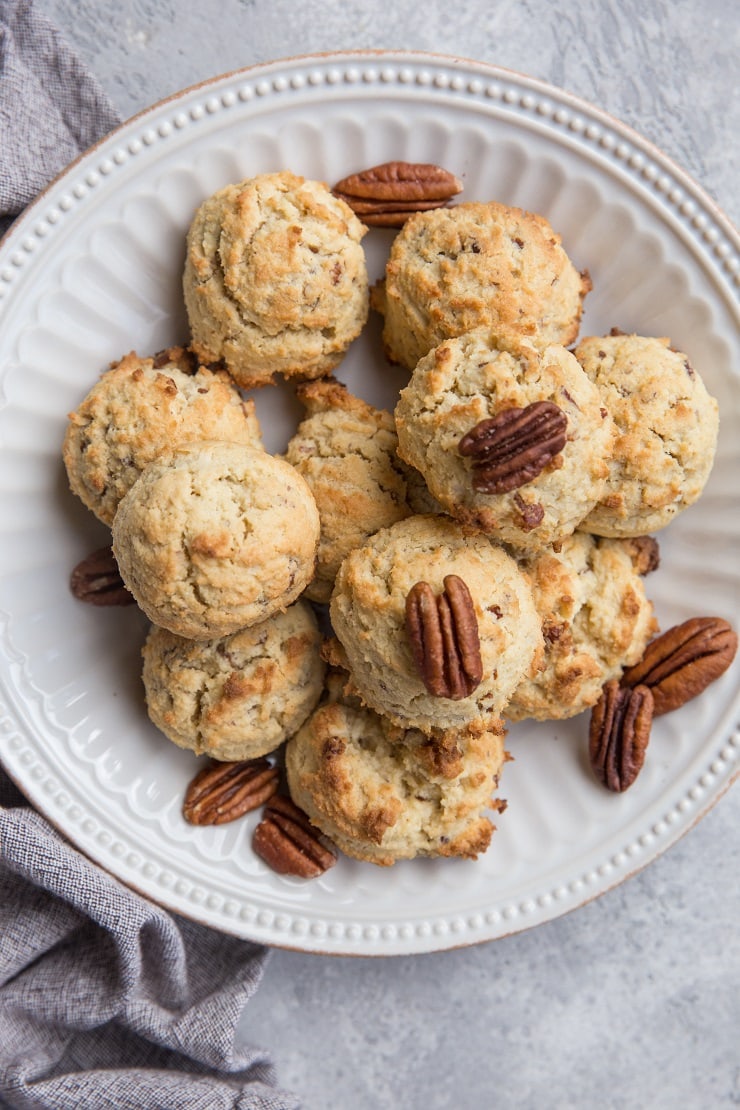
[106, 996]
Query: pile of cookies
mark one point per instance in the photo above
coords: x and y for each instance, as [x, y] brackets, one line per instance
[369, 609]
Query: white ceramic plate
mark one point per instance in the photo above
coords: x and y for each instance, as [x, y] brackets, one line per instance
[92, 270]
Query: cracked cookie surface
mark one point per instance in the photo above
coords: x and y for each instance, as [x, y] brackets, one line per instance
[239, 696]
[138, 410]
[346, 451]
[275, 278]
[216, 538]
[476, 264]
[368, 613]
[383, 794]
[596, 620]
[476, 377]
[667, 426]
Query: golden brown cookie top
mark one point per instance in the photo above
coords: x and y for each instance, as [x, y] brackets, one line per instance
[238, 696]
[369, 616]
[667, 427]
[140, 409]
[477, 264]
[216, 538]
[346, 451]
[384, 794]
[275, 278]
[596, 620]
[462, 390]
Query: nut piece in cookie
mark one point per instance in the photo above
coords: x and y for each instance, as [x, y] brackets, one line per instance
[138, 411]
[383, 794]
[442, 630]
[346, 451]
[510, 438]
[596, 620]
[239, 696]
[667, 425]
[275, 278]
[455, 269]
[216, 538]
[369, 610]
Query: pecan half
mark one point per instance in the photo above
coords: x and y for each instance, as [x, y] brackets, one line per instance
[182, 357]
[443, 634]
[644, 552]
[386, 195]
[678, 665]
[288, 843]
[512, 448]
[530, 515]
[619, 733]
[97, 580]
[225, 791]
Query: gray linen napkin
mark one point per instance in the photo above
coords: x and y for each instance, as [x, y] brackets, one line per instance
[106, 1000]
[51, 109]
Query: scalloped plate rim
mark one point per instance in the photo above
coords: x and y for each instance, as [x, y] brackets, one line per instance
[349, 943]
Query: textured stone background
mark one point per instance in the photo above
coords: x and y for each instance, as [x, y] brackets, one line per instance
[633, 1001]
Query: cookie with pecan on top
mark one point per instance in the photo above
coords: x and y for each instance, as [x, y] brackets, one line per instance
[450, 656]
[511, 439]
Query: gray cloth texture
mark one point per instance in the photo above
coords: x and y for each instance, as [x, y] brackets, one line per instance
[106, 1000]
[51, 108]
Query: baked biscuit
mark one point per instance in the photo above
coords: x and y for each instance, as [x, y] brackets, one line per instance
[239, 696]
[138, 411]
[346, 451]
[482, 375]
[368, 615]
[596, 620]
[451, 270]
[383, 794]
[667, 427]
[275, 278]
[216, 538]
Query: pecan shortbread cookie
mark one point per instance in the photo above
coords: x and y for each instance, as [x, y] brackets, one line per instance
[216, 538]
[346, 451]
[455, 269]
[667, 427]
[511, 439]
[438, 626]
[384, 794]
[140, 409]
[275, 278]
[239, 696]
[596, 620]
